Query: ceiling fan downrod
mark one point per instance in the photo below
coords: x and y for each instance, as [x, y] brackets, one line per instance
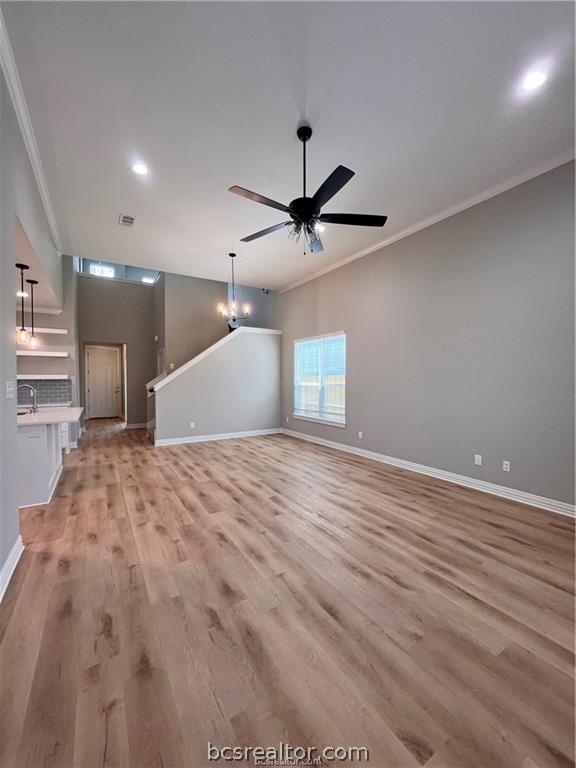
[304, 133]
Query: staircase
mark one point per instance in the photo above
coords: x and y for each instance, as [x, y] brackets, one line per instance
[231, 389]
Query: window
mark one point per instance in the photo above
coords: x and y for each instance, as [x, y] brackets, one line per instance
[101, 270]
[112, 271]
[320, 379]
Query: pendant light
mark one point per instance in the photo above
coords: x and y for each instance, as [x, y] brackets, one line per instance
[230, 311]
[33, 342]
[22, 335]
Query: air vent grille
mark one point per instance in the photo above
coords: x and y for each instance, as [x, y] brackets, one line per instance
[125, 221]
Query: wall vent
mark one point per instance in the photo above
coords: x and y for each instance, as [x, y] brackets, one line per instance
[126, 221]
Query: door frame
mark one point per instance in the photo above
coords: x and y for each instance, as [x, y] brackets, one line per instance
[121, 377]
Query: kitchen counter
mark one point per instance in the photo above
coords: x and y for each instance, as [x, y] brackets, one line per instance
[63, 415]
[40, 440]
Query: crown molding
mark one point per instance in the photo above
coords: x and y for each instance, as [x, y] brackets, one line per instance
[8, 64]
[532, 173]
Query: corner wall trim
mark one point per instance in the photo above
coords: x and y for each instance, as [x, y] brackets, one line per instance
[8, 64]
[220, 343]
[51, 488]
[512, 494]
[10, 565]
[210, 438]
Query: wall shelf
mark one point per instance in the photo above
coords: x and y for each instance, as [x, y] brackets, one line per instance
[44, 330]
[42, 376]
[28, 353]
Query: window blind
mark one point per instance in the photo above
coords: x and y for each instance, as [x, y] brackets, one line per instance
[320, 378]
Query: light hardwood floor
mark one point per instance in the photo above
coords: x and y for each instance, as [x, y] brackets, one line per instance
[263, 590]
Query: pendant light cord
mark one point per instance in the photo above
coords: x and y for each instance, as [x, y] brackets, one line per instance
[22, 299]
[32, 308]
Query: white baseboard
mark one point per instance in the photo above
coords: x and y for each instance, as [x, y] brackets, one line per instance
[210, 438]
[136, 426]
[10, 565]
[552, 505]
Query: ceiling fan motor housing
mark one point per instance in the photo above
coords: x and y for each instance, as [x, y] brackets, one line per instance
[304, 209]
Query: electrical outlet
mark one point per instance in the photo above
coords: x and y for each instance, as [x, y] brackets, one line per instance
[478, 459]
[171, 366]
[192, 425]
[505, 466]
[10, 390]
[359, 435]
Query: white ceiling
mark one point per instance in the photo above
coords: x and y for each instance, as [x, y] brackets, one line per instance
[420, 99]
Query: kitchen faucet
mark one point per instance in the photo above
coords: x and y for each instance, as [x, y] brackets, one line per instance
[34, 396]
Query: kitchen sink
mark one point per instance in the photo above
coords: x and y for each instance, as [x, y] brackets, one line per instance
[23, 411]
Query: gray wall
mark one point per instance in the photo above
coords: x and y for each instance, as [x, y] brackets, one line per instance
[186, 319]
[262, 306]
[234, 389]
[460, 341]
[119, 312]
[18, 198]
[192, 323]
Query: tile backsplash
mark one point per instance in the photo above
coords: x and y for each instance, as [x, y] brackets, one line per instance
[48, 391]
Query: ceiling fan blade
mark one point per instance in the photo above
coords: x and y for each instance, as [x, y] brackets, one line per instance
[332, 185]
[356, 219]
[258, 198]
[266, 231]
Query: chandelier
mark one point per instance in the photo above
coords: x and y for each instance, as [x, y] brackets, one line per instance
[231, 312]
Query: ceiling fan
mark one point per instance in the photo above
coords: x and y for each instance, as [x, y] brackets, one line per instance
[305, 213]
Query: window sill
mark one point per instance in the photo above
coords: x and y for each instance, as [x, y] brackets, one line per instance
[320, 421]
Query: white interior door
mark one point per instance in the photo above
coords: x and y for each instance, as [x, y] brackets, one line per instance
[103, 397]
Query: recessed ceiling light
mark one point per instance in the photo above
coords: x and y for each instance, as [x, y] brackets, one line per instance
[140, 169]
[534, 79]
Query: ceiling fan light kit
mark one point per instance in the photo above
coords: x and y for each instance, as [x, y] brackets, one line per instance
[306, 217]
